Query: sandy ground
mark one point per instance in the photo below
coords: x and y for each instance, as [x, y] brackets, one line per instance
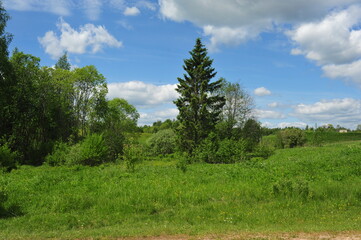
[260, 236]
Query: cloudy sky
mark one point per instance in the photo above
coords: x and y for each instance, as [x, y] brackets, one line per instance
[299, 59]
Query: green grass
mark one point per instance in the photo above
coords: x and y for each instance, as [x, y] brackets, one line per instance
[334, 137]
[302, 189]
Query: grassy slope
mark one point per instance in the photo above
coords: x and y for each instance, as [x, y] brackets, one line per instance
[303, 189]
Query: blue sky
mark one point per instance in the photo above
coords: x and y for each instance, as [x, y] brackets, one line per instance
[300, 60]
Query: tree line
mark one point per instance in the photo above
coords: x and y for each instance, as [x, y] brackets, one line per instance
[60, 115]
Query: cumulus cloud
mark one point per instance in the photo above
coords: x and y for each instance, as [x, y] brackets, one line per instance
[268, 114]
[89, 38]
[234, 21]
[143, 94]
[131, 11]
[149, 118]
[331, 40]
[348, 71]
[333, 43]
[326, 32]
[345, 112]
[262, 91]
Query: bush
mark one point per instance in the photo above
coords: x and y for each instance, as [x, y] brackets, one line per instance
[133, 154]
[8, 158]
[163, 142]
[213, 150]
[291, 137]
[91, 151]
[59, 155]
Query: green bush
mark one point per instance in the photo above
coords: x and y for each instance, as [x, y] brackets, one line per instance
[59, 155]
[163, 142]
[7, 158]
[133, 154]
[213, 150]
[291, 137]
[91, 151]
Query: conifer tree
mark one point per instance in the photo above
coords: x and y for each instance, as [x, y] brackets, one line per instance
[199, 106]
[63, 63]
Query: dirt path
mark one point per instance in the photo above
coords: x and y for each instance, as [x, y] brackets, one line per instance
[260, 236]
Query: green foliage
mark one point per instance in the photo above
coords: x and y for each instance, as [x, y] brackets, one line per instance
[120, 123]
[291, 137]
[199, 104]
[59, 155]
[63, 63]
[90, 89]
[91, 151]
[317, 137]
[237, 109]
[162, 142]
[296, 190]
[214, 150]
[252, 133]
[8, 159]
[325, 136]
[133, 154]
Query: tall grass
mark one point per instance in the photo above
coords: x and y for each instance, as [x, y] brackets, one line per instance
[302, 189]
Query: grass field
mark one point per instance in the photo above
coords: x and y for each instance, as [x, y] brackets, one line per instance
[304, 189]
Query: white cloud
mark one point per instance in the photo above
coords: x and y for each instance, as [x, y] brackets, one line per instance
[262, 91]
[131, 11]
[343, 43]
[326, 32]
[231, 22]
[143, 94]
[345, 112]
[268, 114]
[273, 104]
[60, 7]
[228, 36]
[291, 124]
[147, 5]
[149, 118]
[334, 43]
[92, 8]
[348, 71]
[89, 38]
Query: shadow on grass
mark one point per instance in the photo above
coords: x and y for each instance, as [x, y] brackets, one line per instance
[8, 211]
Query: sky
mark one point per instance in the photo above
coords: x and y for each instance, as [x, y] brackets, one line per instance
[300, 60]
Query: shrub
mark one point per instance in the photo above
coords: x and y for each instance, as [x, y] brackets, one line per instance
[163, 142]
[213, 150]
[7, 158]
[252, 132]
[132, 155]
[291, 137]
[59, 155]
[91, 151]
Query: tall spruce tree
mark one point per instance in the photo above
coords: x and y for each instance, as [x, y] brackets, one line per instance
[63, 63]
[199, 106]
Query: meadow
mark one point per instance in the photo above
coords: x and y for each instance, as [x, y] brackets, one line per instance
[309, 189]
